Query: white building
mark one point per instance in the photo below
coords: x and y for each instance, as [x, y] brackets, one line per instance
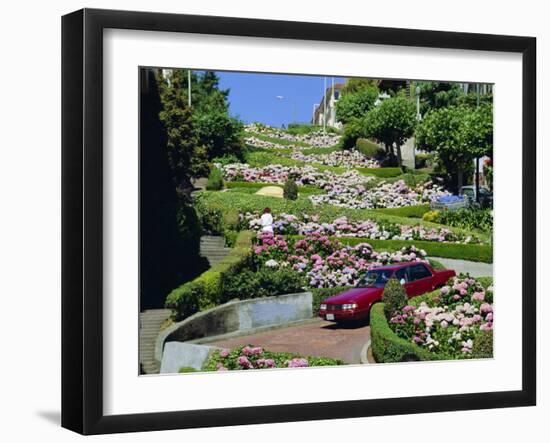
[325, 111]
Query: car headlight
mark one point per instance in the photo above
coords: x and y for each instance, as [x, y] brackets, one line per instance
[323, 307]
[349, 306]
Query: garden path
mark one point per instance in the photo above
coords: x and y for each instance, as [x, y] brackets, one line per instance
[318, 338]
[475, 269]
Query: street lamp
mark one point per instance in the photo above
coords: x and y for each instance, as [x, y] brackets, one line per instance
[292, 105]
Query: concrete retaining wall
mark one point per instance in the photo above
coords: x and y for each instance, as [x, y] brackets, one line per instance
[177, 355]
[238, 316]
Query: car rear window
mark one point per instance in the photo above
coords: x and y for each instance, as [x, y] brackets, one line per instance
[419, 271]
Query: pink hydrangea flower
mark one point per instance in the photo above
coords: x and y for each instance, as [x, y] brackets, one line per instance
[297, 363]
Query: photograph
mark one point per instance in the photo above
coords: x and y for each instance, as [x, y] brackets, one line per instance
[295, 221]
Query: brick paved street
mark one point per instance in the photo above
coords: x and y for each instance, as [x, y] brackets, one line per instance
[319, 338]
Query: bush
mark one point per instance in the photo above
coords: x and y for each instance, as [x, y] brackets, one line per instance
[206, 290]
[226, 159]
[319, 294]
[394, 297]
[387, 347]
[290, 190]
[370, 149]
[353, 130]
[230, 237]
[210, 217]
[264, 283]
[483, 345]
[215, 218]
[431, 216]
[249, 357]
[472, 219]
[215, 180]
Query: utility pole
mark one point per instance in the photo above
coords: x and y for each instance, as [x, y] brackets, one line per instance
[325, 107]
[477, 158]
[332, 101]
[189, 87]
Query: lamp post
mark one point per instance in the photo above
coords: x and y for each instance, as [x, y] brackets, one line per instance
[292, 106]
[418, 118]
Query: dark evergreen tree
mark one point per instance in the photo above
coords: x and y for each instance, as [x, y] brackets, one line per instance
[169, 230]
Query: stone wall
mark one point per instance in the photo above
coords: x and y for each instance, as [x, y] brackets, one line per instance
[238, 316]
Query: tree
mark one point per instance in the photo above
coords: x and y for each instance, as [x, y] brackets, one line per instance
[219, 133]
[392, 123]
[215, 129]
[436, 95]
[394, 297]
[458, 135]
[184, 155]
[356, 104]
[169, 229]
[357, 84]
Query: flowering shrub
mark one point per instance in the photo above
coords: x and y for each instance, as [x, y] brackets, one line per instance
[306, 175]
[255, 357]
[346, 159]
[325, 262]
[450, 323]
[350, 189]
[317, 138]
[288, 224]
[384, 195]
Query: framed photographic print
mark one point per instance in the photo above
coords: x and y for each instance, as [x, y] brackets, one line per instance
[269, 221]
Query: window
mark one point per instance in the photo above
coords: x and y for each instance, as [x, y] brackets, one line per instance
[402, 274]
[419, 271]
[378, 277]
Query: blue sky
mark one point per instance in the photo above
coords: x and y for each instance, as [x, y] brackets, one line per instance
[254, 97]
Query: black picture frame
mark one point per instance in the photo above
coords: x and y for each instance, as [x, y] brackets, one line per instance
[82, 219]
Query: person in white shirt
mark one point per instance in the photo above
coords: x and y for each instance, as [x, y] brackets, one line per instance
[267, 221]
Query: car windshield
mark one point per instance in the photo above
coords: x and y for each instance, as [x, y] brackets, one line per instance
[377, 277]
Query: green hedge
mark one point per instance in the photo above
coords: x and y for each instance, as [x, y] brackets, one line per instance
[205, 291]
[406, 211]
[388, 347]
[369, 148]
[381, 172]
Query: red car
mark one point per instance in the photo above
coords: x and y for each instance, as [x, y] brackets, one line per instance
[354, 304]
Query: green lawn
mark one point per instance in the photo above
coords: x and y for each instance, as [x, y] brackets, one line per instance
[253, 187]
